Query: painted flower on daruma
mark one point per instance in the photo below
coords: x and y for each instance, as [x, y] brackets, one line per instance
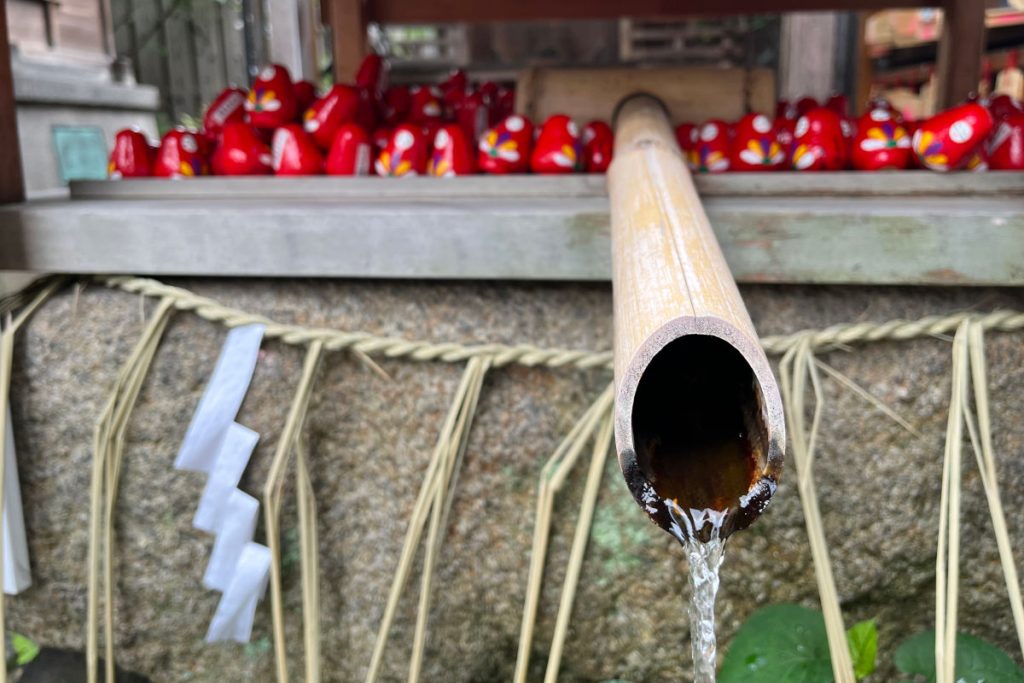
[393, 163]
[929, 149]
[500, 146]
[709, 160]
[804, 156]
[439, 166]
[565, 157]
[262, 100]
[389, 164]
[310, 122]
[888, 135]
[762, 151]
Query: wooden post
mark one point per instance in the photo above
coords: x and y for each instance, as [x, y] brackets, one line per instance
[699, 425]
[12, 182]
[807, 48]
[348, 35]
[960, 50]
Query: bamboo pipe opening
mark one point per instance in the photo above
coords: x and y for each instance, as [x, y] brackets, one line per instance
[700, 438]
[699, 426]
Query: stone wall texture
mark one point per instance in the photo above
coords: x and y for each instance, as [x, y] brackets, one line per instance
[370, 440]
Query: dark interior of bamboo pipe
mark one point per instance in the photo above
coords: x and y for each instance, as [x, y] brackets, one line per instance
[699, 430]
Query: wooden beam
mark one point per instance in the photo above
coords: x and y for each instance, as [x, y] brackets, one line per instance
[960, 50]
[775, 184]
[12, 182]
[899, 240]
[348, 36]
[399, 11]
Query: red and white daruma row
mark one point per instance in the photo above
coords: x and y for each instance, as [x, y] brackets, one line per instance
[456, 128]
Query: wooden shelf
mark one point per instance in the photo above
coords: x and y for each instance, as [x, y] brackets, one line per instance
[822, 228]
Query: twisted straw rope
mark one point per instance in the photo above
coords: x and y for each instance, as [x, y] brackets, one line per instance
[533, 356]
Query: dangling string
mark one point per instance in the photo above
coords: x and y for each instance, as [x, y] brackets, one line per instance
[8, 328]
[309, 549]
[272, 498]
[444, 494]
[552, 477]
[947, 556]
[981, 440]
[579, 548]
[108, 452]
[450, 442]
[797, 366]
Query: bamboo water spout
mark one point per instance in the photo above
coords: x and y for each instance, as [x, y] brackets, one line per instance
[699, 427]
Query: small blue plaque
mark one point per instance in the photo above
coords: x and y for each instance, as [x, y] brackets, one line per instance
[81, 152]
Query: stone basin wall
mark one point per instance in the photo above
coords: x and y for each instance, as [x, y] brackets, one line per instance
[370, 440]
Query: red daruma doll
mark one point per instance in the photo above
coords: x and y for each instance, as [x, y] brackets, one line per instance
[818, 142]
[598, 144]
[405, 153]
[506, 147]
[180, 155]
[755, 145]
[132, 157]
[710, 152]
[271, 102]
[557, 149]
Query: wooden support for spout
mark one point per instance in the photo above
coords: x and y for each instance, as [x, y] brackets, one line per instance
[699, 426]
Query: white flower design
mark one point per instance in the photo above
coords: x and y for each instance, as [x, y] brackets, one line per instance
[403, 140]
[872, 144]
[802, 127]
[750, 157]
[960, 132]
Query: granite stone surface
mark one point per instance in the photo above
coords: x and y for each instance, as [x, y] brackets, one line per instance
[370, 439]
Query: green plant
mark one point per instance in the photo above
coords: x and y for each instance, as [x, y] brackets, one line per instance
[787, 644]
[977, 661]
[24, 650]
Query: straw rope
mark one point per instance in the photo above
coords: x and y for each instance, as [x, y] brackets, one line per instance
[530, 355]
[799, 370]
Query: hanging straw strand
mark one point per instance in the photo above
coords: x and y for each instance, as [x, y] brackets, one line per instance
[981, 439]
[8, 328]
[947, 557]
[444, 494]
[552, 478]
[796, 367]
[272, 496]
[449, 432]
[579, 548]
[108, 449]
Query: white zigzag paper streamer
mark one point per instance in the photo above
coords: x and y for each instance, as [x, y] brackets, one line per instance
[220, 447]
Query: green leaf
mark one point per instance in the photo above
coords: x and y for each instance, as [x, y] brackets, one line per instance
[779, 644]
[977, 661]
[862, 639]
[25, 649]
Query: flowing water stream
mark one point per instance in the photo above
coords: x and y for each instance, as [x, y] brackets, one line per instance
[705, 559]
